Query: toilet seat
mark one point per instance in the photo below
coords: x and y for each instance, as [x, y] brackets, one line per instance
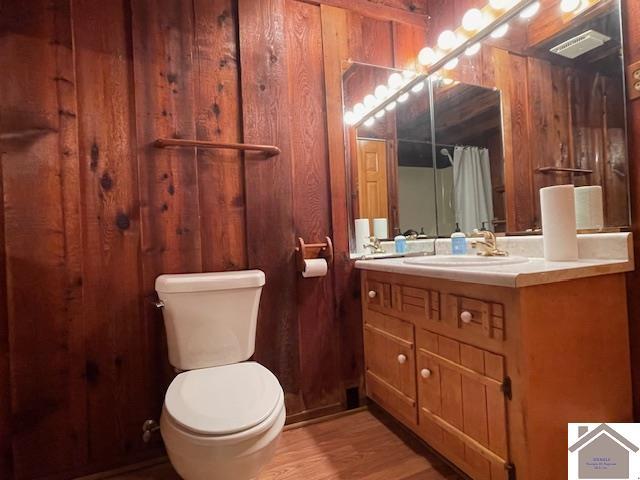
[223, 400]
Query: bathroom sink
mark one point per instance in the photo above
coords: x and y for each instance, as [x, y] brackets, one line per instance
[452, 261]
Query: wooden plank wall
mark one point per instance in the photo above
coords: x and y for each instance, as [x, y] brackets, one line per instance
[91, 213]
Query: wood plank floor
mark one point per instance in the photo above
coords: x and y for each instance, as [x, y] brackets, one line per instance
[365, 445]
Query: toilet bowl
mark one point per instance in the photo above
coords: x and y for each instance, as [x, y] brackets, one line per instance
[222, 422]
[222, 415]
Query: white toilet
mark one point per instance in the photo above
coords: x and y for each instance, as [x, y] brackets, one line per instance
[222, 416]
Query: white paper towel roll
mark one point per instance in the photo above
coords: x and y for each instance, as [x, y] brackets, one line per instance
[559, 236]
[380, 228]
[315, 267]
[363, 232]
[589, 209]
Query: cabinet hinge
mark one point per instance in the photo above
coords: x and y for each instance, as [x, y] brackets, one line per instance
[511, 471]
[506, 387]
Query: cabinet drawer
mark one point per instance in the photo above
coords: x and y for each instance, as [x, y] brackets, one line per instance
[419, 305]
[377, 295]
[462, 409]
[478, 317]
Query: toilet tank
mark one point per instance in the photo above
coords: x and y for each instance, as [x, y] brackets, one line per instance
[210, 318]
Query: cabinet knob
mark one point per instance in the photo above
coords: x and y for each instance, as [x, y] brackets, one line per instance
[402, 359]
[466, 317]
[372, 294]
[425, 373]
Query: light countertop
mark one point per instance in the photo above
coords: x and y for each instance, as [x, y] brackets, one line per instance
[609, 253]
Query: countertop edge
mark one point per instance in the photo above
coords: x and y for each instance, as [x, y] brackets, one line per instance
[503, 279]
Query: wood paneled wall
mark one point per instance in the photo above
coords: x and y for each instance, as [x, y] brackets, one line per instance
[92, 212]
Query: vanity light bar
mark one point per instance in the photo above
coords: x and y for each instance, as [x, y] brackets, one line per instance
[458, 43]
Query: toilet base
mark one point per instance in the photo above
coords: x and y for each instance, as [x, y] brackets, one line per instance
[239, 456]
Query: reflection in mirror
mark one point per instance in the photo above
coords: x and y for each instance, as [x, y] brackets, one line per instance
[416, 167]
[390, 159]
[580, 123]
[468, 133]
[564, 118]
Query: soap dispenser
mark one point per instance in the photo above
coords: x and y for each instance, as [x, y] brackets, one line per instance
[458, 242]
[400, 242]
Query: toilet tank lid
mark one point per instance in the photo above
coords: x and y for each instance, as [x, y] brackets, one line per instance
[202, 282]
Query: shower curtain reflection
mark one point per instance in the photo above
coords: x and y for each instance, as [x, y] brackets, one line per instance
[472, 188]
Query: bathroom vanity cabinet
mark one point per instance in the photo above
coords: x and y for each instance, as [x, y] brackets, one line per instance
[489, 376]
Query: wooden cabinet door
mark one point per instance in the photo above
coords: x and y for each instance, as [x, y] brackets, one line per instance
[462, 410]
[390, 365]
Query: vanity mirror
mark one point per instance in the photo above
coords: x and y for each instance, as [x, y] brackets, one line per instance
[539, 86]
[561, 77]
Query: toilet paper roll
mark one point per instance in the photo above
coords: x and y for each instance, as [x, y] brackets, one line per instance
[363, 232]
[559, 236]
[589, 207]
[315, 267]
[380, 228]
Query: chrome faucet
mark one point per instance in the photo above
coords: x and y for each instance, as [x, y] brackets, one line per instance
[374, 245]
[487, 247]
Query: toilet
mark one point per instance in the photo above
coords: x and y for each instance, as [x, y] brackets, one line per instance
[222, 415]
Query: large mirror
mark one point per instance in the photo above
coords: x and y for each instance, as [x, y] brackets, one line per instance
[566, 121]
[472, 144]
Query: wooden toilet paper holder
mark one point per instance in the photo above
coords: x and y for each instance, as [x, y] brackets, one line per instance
[310, 251]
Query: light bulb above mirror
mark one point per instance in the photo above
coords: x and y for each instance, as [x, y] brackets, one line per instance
[502, 4]
[530, 11]
[417, 87]
[473, 49]
[448, 40]
[381, 92]
[427, 56]
[451, 64]
[568, 6]
[473, 20]
[350, 118]
[395, 81]
[501, 31]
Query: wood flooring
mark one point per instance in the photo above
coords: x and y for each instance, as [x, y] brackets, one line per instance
[365, 445]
